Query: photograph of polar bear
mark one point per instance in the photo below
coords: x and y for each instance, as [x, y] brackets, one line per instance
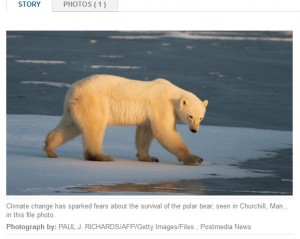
[100, 100]
[149, 113]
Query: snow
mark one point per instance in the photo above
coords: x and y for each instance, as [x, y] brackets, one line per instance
[48, 83]
[40, 62]
[115, 67]
[29, 171]
[231, 36]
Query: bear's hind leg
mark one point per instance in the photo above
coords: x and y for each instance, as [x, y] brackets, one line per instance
[92, 140]
[89, 114]
[65, 131]
[93, 130]
[143, 139]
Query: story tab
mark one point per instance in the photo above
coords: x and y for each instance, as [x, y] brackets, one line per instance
[29, 4]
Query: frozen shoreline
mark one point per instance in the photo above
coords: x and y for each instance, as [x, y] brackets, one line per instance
[30, 172]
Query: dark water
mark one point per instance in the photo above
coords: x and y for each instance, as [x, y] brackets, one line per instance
[248, 82]
[246, 76]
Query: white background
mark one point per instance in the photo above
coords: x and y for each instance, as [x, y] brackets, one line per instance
[282, 223]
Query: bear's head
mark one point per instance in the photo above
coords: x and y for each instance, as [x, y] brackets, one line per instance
[192, 111]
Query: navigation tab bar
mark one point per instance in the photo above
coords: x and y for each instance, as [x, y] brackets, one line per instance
[152, 6]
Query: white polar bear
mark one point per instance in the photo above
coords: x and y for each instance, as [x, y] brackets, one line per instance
[154, 106]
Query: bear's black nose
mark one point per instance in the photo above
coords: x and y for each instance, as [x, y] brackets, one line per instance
[194, 131]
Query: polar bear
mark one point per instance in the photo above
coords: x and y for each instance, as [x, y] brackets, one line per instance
[95, 102]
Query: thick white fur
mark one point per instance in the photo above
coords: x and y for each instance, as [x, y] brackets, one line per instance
[97, 101]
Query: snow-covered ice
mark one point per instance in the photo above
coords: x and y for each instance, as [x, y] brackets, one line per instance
[29, 171]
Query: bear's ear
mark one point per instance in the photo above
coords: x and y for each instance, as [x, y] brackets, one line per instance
[183, 103]
[205, 103]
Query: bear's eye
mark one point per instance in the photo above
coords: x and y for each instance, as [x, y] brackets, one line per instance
[191, 117]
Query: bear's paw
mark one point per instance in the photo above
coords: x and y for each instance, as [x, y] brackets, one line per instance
[192, 160]
[99, 157]
[50, 153]
[147, 158]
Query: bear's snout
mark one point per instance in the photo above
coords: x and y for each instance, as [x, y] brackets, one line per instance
[193, 130]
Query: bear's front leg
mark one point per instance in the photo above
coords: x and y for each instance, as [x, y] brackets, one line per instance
[169, 138]
[143, 139]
